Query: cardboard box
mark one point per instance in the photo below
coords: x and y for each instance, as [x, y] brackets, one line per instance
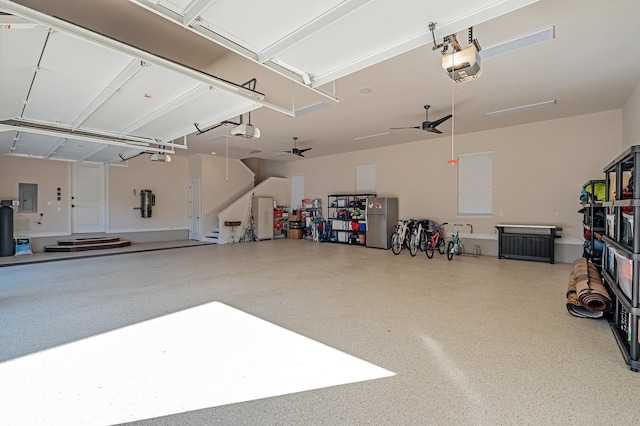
[294, 218]
[295, 234]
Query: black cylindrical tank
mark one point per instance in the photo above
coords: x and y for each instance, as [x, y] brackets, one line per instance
[6, 231]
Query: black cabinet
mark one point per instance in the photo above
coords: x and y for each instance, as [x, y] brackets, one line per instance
[621, 256]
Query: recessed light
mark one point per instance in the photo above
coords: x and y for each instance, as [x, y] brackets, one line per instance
[365, 90]
[377, 135]
[539, 36]
[309, 109]
[522, 107]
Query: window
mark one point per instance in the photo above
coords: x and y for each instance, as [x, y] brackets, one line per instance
[475, 183]
[366, 179]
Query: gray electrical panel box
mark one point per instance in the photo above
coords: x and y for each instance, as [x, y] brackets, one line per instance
[28, 197]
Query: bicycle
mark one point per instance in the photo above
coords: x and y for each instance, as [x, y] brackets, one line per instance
[401, 236]
[436, 240]
[418, 238]
[455, 245]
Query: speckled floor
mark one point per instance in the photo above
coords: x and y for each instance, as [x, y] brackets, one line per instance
[475, 340]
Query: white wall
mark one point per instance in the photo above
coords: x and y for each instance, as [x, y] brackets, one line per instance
[48, 175]
[631, 119]
[539, 170]
[168, 182]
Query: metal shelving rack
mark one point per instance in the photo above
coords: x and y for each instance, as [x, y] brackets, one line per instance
[589, 211]
[346, 202]
[621, 256]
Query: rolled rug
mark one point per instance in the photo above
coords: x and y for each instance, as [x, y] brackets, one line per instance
[591, 292]
[573, 305]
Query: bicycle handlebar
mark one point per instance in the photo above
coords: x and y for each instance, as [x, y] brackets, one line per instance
[459, 225]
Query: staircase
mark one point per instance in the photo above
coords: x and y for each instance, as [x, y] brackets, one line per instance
[213, 236]
[85, 244]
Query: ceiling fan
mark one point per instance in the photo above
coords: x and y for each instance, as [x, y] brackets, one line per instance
[429, 126]
[295, 150]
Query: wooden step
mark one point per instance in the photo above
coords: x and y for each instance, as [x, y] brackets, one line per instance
[85, 244]
[88, 241]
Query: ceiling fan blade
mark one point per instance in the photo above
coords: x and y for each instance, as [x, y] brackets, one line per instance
[433, 130]
[402, 128]
[299, 154]
[304, 150]
[436, 123]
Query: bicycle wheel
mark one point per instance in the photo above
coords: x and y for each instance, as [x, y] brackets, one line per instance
[441, 245]
[396, 244]
[450, 250]
[413, 244]
[429, 249]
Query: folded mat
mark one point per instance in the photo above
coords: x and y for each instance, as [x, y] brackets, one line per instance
[587, 297]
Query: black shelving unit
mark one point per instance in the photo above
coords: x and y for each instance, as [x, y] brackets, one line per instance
[311, 217]
[347, 214]
[593, 222]
[621, 256]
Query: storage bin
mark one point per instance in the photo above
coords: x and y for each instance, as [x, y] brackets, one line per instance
[362, 226]
[624, 274]
[343, 237]
[337, 224]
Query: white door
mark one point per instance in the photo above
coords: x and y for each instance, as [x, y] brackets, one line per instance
[88, 199]
[195, 223]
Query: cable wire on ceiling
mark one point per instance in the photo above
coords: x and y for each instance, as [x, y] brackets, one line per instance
[453, 161]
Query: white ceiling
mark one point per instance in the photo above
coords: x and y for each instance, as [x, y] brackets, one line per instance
[591, 65]
[72, 95]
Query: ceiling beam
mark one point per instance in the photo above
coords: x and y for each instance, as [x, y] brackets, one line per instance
[313, 27]
[86, 138]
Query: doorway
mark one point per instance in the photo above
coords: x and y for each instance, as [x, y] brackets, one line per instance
[88, 199]
[195, 223]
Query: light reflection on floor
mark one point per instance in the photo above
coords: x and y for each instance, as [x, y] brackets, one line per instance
[202, 357]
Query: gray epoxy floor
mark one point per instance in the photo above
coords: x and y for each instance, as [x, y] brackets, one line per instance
[475, 340]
